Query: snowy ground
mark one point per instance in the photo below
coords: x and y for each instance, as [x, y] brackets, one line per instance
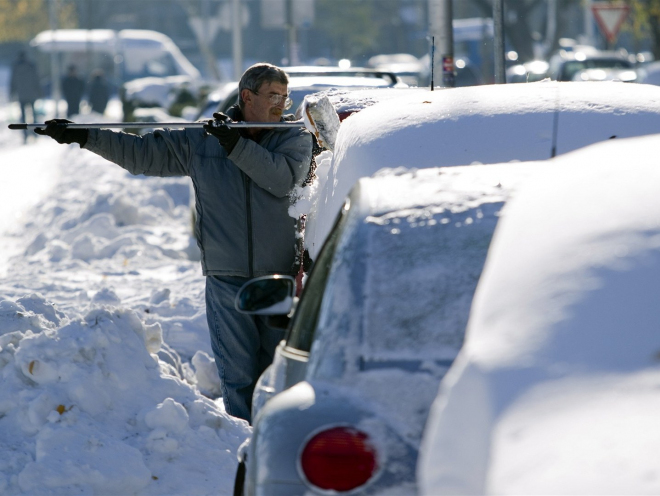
[104, 348]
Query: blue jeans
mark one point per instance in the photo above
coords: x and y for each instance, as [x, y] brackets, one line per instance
[243, 345]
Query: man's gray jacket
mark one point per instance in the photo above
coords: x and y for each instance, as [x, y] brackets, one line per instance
[242, 199]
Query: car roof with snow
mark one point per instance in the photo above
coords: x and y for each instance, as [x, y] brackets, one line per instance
[559, 372]
[481, 124]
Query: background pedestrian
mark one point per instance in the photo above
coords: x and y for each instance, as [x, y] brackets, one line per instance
[72, 89]
[98, 92]
[24, 85]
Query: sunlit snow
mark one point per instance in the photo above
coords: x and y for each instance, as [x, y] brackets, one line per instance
[104, 348]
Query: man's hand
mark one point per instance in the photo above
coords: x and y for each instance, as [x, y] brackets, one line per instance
[57, 129]
[227, 136]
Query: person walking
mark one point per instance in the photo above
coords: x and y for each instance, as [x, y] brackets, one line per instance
[242, 181]
[98, 92]
[24, 85]
[73, 88]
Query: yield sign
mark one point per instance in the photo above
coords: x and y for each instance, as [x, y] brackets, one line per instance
[610, 17]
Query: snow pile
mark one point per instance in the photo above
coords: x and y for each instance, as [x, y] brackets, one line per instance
[104, 346]
[88, 408]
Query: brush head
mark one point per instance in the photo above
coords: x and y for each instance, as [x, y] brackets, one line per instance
[321, 119]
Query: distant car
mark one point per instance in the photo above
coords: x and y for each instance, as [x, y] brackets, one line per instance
[556, 388]
[529, 72]
[565, 64]
[123, 55]
[481, 124]
[359, 72]
[406, 66]
[379, 322]
[623, 75]
[650, 73]
[467, 73]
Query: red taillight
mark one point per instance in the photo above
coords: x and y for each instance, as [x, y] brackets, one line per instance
[340, 459]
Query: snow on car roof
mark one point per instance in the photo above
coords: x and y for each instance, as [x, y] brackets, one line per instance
[482, 124]
[557, 380]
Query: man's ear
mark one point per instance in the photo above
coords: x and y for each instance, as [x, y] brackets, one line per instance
[246, 96]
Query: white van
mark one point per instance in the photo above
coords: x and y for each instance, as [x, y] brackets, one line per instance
[123, 55]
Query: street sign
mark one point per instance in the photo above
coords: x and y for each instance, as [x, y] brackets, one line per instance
[610, 17]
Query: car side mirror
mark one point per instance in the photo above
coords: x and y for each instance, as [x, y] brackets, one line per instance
[268, 295]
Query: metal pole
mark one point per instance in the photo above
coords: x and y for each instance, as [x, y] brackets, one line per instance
[441, 25]
[292, 35]
[236, 38]
[56, 92]
[588, 22]
[498, 25]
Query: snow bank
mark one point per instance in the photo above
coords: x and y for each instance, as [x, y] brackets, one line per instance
[104, 347]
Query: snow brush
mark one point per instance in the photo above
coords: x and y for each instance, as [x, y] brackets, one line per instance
[320, 119]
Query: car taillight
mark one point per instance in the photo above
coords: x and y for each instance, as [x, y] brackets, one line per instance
[339, 459]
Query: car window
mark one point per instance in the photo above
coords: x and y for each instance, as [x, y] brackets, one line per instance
[422, 271]
[228, 102]
[304, 321]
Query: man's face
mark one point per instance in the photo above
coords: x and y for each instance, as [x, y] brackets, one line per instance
[258, 105]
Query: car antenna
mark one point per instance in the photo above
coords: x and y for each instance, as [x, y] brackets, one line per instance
[432, 58]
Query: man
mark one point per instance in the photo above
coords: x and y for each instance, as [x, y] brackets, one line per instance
[25, 85]
[242, 180]
[73, 88]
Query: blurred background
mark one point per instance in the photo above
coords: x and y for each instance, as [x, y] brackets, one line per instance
[180, 51]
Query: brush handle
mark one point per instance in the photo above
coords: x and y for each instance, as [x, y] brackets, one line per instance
[133, 125]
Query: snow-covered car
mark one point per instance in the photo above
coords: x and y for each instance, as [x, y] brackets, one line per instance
[481, 124]
[380, 320]
[556, 388]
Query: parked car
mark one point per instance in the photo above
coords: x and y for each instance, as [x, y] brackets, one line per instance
[529, 72]
[608, 74]
[565, 64]
[406, 66]
[123, 55]
[556, 388]
[482, 124]
[379, 322]
[305, 80]
[649, 73]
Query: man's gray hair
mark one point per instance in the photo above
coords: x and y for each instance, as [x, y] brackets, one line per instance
[257, 75]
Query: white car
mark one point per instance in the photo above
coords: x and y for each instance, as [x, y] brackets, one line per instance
[556, 388]
[379, 322]
[481, 124]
